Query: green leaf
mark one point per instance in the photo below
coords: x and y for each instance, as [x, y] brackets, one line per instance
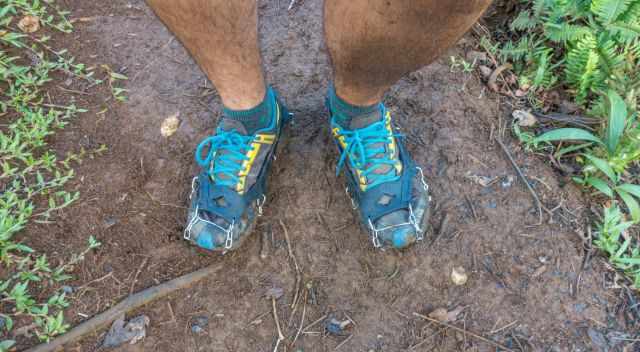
[600, 185]
[6, 345]
[630, 188]
[632, 261]
[116, 75]
[567, 134]
[617, 121]
[632, 204]
[608, 11]
[603, 166]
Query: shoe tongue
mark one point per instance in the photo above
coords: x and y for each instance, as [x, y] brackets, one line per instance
[364, 120]
[228, 124]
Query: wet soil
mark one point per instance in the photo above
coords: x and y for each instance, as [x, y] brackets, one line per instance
[521, 290]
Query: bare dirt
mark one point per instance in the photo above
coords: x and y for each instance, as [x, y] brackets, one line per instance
[521, 290]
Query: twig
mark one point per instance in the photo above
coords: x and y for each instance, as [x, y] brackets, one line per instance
[130, 303]
[426, 339]
[343, 342]
[524, 179]
[135, 277]
[295, 263]
[315, 322]
[275, 317]
[304, 310]
[493, 332]
[481, 338]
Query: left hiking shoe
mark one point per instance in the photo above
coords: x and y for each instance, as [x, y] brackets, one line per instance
[383, 182]
[227, 196]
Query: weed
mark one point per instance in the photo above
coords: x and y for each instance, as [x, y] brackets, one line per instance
[32, 177]
[460, 64]
[591, 50]
[612, 237]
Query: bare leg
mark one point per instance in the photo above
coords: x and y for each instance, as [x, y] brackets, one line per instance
[222, 36]
[373, 43]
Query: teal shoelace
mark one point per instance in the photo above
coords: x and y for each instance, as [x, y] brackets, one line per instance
[366, 153]
[228, 150]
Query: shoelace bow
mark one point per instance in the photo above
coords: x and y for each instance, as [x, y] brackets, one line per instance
[365, 157]
[227, 150]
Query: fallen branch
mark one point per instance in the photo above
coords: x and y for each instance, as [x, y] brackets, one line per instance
[466, 332]
[132, 302]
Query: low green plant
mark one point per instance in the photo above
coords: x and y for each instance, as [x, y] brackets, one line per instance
[589, 51]
[587, 46]
[605, 158]
[32, 176]
[612, 237]
[460, 64]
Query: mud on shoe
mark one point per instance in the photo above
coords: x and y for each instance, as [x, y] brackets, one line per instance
[385, 185]
[228, 194]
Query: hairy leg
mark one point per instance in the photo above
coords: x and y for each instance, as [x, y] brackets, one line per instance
[373, 43]
[222, 36]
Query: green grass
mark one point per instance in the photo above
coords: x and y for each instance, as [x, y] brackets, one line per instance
[590, 51]
[32, 175]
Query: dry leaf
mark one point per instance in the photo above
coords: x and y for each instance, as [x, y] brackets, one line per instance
[444, 316]
[524, 118]
[170, 125]
[459, 276]
[29, 24]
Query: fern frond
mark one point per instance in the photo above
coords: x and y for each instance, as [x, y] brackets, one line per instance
[523, 21]
[611, 57]
[564, 32]
[607, 11]
[581, 70]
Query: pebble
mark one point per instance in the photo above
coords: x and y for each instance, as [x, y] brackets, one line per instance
[580, 307]
[199, 323]
[67, 289]
[507, 181]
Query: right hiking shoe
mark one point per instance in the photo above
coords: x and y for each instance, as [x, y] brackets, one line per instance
[383, 181]
[228, 195]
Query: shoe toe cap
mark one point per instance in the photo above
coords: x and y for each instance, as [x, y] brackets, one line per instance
[403, 236]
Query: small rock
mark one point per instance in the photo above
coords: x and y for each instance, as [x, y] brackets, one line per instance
[199, 323]
[485, 71]
[580, 307]
[459, 276]
[170, 125]
[507, 181]
[108, 222]
[67, 289]
[132, 332]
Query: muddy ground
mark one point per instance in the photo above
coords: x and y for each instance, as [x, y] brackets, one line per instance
[522, 279]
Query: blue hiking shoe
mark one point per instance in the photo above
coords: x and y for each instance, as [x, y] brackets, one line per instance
[383, 182]
[228, 195]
